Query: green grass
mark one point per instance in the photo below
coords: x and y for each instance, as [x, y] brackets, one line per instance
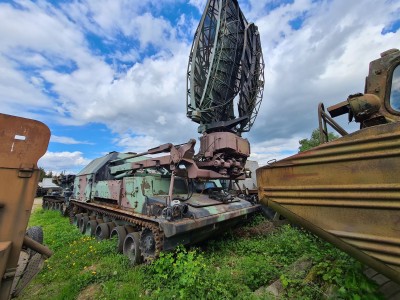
[227, 268]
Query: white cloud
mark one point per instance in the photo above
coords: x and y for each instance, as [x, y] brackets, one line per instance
[149, 94]
[19, 93]
[68, 162]
[161, 120]
[38, 27]
[274, 149]
[67, 140]
[199, 4]
[137, 144]
[114, 20]
[94, 90]
[49, 69]
[326, 60]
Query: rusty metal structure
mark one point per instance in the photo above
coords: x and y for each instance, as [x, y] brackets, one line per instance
[225, 63]
[22, 143]
[169, 195]
[347, 191]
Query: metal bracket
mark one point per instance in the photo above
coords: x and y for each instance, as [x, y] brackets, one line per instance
[26, 170]
[9, 273]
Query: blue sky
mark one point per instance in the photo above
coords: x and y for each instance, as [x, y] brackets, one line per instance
[110, 75]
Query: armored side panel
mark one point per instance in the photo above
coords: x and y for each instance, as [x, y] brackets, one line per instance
[22, 143]
[346, 191]
[144, 194]
[84, 179]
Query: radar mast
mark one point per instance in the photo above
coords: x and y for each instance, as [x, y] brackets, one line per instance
[225, 66]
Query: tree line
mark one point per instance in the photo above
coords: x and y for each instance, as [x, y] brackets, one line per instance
[44, 174]
[313, 141]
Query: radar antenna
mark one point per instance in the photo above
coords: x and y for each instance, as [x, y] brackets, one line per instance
[225, 66]
[225, 63]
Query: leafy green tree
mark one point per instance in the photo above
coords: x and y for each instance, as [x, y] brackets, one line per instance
[307, 144]
[42, 174]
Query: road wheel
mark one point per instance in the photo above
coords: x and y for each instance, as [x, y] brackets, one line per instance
[131, 248]
[91, 227]
[102, 231]
[77, 218]
[119, 234]
[36, 234]
[82, 224]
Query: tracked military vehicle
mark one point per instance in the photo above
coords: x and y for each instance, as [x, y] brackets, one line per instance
[60, 201]
[152, 203]
[347, 191]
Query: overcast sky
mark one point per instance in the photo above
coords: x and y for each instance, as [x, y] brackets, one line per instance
[110, 75]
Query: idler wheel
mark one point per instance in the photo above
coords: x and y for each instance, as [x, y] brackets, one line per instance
[147, 244]
[119, 233]
[131, 248]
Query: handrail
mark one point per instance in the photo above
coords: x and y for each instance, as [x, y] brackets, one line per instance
[323, 120]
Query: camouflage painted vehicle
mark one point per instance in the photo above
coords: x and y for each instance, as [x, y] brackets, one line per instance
[148, 208]
[347, 191]
[151, 204]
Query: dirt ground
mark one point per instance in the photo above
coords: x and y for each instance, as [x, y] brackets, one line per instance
[37, 203]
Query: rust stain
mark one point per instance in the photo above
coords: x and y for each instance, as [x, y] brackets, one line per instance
[144, 186]
[22, 143]
[347, 191]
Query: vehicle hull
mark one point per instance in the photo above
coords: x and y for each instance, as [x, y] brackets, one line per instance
[346, 191]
